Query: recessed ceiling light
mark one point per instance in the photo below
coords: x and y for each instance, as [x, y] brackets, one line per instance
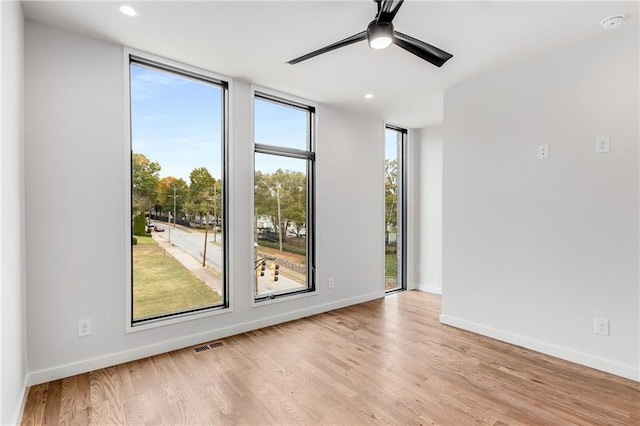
[612, 22]
[368, 96]
[128, 10]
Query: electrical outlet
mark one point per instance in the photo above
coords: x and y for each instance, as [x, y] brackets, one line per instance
[84, 328]
[601, 326]
[603, 144]
[543, 152]
[331, 283]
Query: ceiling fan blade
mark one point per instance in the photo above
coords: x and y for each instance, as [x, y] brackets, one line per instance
[342, 43]
[388, 10]
[419, 48]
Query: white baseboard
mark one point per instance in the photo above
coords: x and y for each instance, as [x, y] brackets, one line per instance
[430, 288]
[627, 371]
[84, 366]
[17, 416]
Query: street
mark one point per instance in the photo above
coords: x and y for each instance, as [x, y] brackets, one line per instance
[192, 243]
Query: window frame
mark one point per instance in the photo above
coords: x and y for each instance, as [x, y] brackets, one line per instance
[132, 56]
[402, 209]
[310, 156]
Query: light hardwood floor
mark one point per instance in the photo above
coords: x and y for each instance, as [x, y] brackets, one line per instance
[384, 362]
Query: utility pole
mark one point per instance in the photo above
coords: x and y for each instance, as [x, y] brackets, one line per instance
[174, 196]
[215, 217]
[206, 228]
[279, 219]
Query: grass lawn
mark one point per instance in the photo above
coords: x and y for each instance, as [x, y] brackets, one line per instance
[162, 285]
[390, 270]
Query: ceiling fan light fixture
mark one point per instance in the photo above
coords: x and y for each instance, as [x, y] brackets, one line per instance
[380, 34]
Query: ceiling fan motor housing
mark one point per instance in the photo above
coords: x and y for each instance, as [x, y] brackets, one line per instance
[380, 34]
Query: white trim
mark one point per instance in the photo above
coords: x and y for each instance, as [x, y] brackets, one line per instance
[283, 95]
[127, 249]
[67, 370]
[627, 371]
[430, 288]
[20, 409]
[216, 310]
[286, 297]
[177, 319]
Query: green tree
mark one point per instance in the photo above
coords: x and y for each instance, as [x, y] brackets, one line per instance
[391, 195]
[293, 196]
[286, 189]
[139, 224]
[264, 197]
[204, 193]
[166, 192]
[144, 182]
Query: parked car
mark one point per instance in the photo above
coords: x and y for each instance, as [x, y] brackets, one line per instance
[158, 228]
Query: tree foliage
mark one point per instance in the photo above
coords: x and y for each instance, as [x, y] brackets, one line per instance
[166, 192]
[290, 189]
[391, 194]
[144, 181]
[205, 193]
[139, 222]
[202, 195]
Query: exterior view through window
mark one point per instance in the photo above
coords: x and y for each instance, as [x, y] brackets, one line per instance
[178, 140]
[394, 211]
[283, 198]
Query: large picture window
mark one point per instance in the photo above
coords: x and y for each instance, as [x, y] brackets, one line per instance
[283, 198]
[178, 192]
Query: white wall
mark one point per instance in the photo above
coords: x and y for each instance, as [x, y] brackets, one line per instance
[429, 154]
[13, 358]
[75, 176]
[414, 223]
[534, 250]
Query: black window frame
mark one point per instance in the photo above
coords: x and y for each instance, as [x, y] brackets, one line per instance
[402, 207]
[310, 156]
[159, 65]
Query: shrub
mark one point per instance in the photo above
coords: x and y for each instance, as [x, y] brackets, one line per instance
[139, 223]
[285, 247]
[134, 241]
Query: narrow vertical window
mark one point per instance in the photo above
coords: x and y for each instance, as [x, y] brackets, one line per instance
[178, 192]
[283, 198]
[394, 209]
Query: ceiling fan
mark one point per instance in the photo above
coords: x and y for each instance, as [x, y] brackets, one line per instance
[380, 34]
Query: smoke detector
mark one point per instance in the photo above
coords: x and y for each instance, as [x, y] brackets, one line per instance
[612, 22]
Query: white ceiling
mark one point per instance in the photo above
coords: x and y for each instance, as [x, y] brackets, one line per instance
[252, 40]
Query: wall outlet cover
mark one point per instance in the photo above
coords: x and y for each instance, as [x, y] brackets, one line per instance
[603, 144]
[543, 152]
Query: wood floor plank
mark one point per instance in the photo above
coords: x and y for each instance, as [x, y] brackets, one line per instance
[388, 361]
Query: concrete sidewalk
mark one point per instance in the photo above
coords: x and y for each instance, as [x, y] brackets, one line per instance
[194, 265]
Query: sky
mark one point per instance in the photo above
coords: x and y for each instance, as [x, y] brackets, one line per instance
[391, 144]
[177, 122]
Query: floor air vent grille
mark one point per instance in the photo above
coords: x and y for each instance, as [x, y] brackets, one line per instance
[207, 346]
